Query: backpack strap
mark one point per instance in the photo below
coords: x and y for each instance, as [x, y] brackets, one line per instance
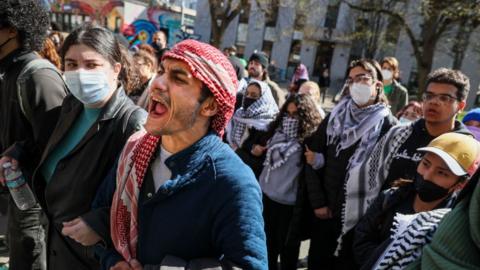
[25, 74]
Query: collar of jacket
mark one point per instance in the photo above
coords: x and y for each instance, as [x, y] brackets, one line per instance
[17, 55]
[185, 164]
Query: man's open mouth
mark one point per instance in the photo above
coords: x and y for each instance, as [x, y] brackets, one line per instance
[157, 107]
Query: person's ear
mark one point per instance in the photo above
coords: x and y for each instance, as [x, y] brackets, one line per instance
[461, 106]
[117, 67]
[209, 107]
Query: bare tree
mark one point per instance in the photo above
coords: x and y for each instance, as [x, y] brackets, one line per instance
[222, 13]
[437, 18]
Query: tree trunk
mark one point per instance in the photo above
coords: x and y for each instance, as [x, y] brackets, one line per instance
[460, 45]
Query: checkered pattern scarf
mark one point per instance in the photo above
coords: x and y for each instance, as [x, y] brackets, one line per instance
[348, 125]
[408, 242]
[213, 68]
[132, 167]
[282, 145]
[208, 65]
[258, 115]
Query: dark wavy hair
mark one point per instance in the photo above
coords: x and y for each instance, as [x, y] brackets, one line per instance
[452, 77]
[104, 42]
[308, 116]
[49, 52]
[29, 18]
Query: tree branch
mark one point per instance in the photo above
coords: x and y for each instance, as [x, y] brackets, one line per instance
[416, 44]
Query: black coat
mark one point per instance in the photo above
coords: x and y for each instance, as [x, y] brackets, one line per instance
[325, 187]
[76, 178]
[372, 233]
[245, 150]
[45, 90]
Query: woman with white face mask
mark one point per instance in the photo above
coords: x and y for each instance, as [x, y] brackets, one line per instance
[95, 122]
[336, 150]
[396, 93]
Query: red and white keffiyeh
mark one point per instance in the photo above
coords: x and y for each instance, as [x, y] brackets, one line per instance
[213, 68]
[208, 65]
[132, 167]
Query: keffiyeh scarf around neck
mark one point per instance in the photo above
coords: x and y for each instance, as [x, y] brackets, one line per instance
[348, 125]
[283, 144]
[258, 115]
[132, 167]
[410, 233]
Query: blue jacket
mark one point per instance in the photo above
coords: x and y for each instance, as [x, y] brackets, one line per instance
[211, 207]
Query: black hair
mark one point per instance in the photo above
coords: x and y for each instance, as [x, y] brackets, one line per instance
[374, 69]
[104, 42]
[204, 93]
[452, 77]
[29, 18]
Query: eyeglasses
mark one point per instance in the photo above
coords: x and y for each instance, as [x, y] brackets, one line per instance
[443, 98]
[361, 78]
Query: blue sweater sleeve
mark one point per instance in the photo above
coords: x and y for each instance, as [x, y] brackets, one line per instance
[238, 229]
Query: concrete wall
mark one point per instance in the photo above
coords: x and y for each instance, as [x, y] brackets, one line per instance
[281, 47]
[256, 30]
[202, 21]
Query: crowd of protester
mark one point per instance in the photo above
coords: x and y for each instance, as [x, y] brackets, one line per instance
[189, 158]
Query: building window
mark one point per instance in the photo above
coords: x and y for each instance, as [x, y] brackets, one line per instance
[332, 14]
[242, 34]
[267, 47]
[271, 16]
[244, 14]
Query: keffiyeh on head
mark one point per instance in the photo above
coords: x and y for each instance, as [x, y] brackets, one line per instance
[213, 68]
[301, 72]
[258, 115]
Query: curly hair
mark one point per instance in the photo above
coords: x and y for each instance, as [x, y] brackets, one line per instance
[29, 18]
[308, 116]
[104, 42]
[50, 53]
[452, 77]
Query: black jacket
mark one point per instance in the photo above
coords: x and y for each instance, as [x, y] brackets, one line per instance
[326, 186]
[74, 183]
[45, 91]
[245, 150]
[372, 233]
[405, 162]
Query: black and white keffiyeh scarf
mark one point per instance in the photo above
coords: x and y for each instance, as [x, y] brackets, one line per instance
[258, 115]
[348, 125]
[409, 234]
[364, 182]
[282, 145]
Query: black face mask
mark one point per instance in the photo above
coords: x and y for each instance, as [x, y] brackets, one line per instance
[429, 191]
[247, 102]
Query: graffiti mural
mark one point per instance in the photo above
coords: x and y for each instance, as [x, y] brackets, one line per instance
[141, 30]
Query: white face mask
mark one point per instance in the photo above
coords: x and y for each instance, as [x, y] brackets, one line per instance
[387, 74]
[360, 93]
[90, 87]
[404, 120]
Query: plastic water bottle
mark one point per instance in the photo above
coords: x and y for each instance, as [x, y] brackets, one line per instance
[21, 193]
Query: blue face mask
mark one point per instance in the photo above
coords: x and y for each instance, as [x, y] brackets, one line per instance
[404, 120]
[90, 87]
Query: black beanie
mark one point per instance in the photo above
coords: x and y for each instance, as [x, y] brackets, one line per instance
[261, 57]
